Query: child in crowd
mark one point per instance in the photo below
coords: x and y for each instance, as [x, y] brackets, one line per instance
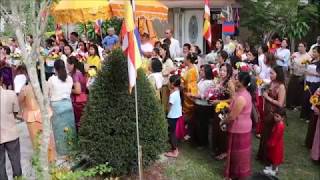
[156, 78]
[275, 142]
[175, 112]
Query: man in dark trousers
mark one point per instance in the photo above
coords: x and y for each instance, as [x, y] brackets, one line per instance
[9, 136]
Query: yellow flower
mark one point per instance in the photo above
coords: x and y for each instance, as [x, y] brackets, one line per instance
[217, 108]
[238, 64]
[259, 82]
[66, 129]
[314, 100]
[221, 105]
[92, 73]
[305, 62]
[306, 88]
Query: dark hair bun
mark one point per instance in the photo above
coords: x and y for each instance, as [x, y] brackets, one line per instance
[193, 57]
[175, 80]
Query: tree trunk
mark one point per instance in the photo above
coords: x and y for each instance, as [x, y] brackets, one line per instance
[42, 101]
[292, 45]
[41, 94]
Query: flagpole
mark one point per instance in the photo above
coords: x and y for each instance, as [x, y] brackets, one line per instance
[137, 114]
[137, 131]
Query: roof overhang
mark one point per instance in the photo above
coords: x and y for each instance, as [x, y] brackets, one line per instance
[199, 3]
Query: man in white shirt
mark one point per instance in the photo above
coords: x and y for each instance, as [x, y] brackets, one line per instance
[74, 39]
[9, 133]
[314, 45]
[175, 50]
[264, 69]
[146, 46]
[283, 55]
[229, 46]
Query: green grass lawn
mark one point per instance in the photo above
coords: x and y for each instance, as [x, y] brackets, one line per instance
[196, 164]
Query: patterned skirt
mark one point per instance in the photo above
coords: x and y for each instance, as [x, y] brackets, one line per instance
[63, 125]
[238, 164]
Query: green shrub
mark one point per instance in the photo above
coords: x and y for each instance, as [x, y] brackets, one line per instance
[108, 129]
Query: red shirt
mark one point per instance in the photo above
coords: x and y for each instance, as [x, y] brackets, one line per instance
[275, 144]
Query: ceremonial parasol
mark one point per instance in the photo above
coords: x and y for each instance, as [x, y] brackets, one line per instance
[80, 11]
[148, 9]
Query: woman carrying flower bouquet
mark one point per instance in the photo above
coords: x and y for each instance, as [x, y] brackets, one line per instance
[312, 77]
[299, 60]
[67, 52]
[82, 51]
[238, 164]
[266, 61]
[94, 58]
[167, 67]
[212, 57]
[227, 87]
[203, 110]
[190, 87]
[274, 98]
[79, 96]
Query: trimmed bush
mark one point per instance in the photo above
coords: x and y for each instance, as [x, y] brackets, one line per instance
[108, 127]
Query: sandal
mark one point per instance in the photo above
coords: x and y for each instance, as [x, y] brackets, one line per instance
[221, 156]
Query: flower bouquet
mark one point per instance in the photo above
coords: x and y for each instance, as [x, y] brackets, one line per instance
[305, 62]
[92, 72]
[180, 70]
[315, 99]
[243, 67]
[53, 56]
[212, 93]
[222, 109]
[178, 61]
[81, 57]
[262, 85]
[15, 58]
[217, 93]
[215, 71]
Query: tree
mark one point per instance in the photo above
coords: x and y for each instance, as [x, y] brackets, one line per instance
[108, 130]
[89, 30]
[14, 12]
[287, 17]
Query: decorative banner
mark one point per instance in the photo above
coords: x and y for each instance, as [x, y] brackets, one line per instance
[228, 28]
[207, 25]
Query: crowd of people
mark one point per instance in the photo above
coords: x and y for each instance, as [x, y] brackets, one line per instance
[257, 84]
[70, 70]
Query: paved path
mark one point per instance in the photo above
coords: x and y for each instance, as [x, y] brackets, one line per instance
[26, 154]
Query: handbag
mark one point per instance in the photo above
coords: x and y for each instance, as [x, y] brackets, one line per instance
[80, 98]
